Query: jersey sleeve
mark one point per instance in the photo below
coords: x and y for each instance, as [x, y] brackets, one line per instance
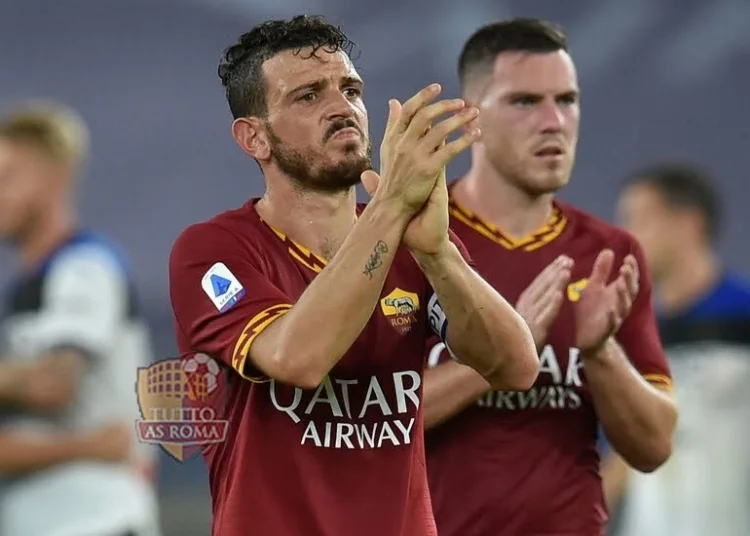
[639, 335]
[221, 298]
[84, 301]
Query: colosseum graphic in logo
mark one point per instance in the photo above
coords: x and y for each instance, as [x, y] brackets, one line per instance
[179, 401]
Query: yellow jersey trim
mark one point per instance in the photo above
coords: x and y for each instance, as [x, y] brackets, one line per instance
[660, 381]
[249, 333]
[299, 252]
[548, 232]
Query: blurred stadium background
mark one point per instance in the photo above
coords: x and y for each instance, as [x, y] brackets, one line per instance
[660, 80]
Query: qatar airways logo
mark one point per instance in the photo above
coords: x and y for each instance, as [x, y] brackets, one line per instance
[353, 414]
[557, 387]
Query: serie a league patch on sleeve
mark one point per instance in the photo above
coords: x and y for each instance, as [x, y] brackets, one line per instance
[222, 287]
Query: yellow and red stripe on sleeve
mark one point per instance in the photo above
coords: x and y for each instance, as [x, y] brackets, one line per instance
[660, 381]
[251, 330]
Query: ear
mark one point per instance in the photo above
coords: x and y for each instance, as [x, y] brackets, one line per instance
[250, 135]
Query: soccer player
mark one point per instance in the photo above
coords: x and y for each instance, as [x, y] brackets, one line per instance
[704, 317]
[73, 343]
[525, 461]
[320, 310]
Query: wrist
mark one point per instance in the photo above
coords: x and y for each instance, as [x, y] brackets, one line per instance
[446, 253]
[389, 212]
[602, 352]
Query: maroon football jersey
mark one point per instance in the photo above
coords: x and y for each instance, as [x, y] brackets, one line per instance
[344, 459]
[526, 463]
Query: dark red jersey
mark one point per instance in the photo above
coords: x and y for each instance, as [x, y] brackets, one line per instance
[345, 459]
[526, 463]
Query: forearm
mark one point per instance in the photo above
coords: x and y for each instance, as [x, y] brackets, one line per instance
[484, 331]
[450, 388]
[21, 453]
[639, 419]
[329, 316]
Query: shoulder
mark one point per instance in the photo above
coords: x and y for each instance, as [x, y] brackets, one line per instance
[88, 265]
[596, 230]
[88, 256]
[733, 292]
[225, 232]
[737, 285]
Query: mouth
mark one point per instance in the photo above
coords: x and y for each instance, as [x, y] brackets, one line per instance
[552, 152]
[347, 133]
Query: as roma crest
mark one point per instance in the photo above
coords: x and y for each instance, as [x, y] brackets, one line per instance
[400, 308]
[179, 404]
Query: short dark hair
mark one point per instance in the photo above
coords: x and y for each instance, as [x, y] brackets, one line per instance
[513, 35]
[683, 185]
[241, 66]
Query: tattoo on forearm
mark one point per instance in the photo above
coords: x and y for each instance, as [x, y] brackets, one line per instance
[376, 259]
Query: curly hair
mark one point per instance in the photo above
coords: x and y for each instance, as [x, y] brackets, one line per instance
[241, 66]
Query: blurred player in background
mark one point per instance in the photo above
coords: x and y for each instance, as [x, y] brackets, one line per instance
[323, 344]
[704, 319]
[73, 342]
[508, 462]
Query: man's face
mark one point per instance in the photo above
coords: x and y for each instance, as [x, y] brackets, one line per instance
[317, 122]
[642, 211]
[23, 175]
[529, 119]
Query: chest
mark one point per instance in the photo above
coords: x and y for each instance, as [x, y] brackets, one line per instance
[393, 339]
[511, 271]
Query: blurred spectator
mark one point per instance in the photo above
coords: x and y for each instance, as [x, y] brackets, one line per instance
[73, 342]
[704, 489]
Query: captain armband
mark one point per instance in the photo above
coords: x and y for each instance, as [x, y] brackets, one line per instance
[439, 322]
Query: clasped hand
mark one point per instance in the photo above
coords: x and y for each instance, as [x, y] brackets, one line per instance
[599, 311]
[413, 156]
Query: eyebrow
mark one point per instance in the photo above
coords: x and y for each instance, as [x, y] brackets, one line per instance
[535, 95]
[321, 83]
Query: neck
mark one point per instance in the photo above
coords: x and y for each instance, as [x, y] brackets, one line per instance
[693, 274]
[54, 229]
[496, 200]
[320, 221]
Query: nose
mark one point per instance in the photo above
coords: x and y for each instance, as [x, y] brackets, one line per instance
[339, 107]
[553, 119]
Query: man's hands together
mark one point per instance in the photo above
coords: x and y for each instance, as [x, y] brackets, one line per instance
[414, 154]
[600, 310]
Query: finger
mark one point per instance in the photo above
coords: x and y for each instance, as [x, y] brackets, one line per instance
[370, 181]
[394, 113]
[602, 267]
[414, 104]
[624, 298]
[421, 124]
[545, 278]
[555, 282]
[628, 274]
[439, 133]
[451, 150]
[548, 313]
[631, 261]
[442, 181]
